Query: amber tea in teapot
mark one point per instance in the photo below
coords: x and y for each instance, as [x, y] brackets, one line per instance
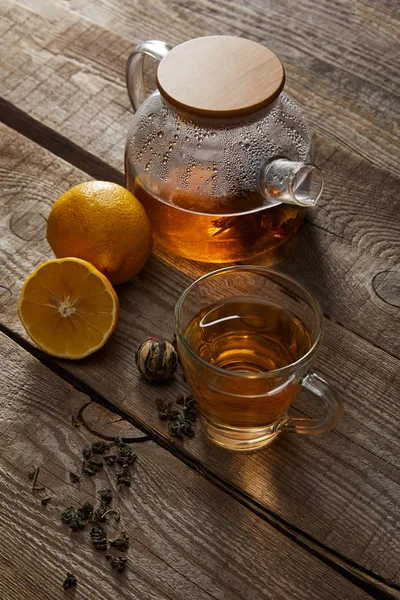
[213, 237]
[217, 154]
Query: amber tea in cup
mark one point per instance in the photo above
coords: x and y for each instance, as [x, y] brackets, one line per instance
[247, 337]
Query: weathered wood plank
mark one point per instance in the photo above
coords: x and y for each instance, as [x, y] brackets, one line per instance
[340, 56]
[71, 77]
[341, 489]
[56, 68]
[187, 538]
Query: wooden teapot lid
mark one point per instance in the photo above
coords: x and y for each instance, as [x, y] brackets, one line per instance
[220, 76]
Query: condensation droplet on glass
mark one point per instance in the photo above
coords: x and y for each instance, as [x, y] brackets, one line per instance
[280, 131]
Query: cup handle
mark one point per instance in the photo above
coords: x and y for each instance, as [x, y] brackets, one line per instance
[334, 409]
[134, 68]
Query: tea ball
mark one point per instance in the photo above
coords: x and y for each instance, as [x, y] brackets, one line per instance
[156, 359]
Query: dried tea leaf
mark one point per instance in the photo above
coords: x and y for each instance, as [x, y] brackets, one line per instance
[124, 461]
[124, 478]
[76, 523]
[174, 428]
[98, 537]
[163, 408]
[110, 459]
[117, 562]
[46, 500]
[87, 452]
[180, 424]
[68, 514]
[121, 542]
[190, 409]
[99, 447]
[187, 427]
[125, 450]
[85, 512]
[70, 581]
[92, 466]
[95, 463]
[99, 514]
[74, 477]
[106, 496]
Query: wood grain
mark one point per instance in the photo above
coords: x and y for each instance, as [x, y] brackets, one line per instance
[187, 538]
[341, 57]
[340, 490]
[67, 72]
[107, 425]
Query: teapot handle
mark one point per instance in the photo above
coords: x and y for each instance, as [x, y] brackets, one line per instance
[134, 68]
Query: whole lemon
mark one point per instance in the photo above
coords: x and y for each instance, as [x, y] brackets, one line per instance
[104, 224]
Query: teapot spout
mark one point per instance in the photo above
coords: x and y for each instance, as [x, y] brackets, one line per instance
[299, 183]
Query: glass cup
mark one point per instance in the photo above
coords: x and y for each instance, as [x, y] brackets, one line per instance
[247, 337]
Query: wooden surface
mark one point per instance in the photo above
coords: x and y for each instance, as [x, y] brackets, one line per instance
[188, 539]
[334, 499]
[363, 468]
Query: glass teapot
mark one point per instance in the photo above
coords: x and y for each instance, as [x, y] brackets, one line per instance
[218, 153]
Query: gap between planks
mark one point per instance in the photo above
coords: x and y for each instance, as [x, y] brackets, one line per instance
[367, 580]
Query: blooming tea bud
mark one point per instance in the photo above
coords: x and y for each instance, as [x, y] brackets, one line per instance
[156, 359]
